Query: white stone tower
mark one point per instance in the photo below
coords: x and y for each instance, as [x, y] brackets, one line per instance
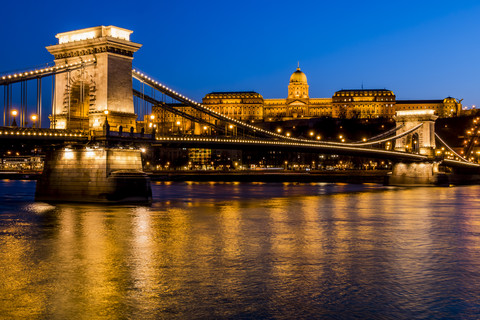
[420, 141]
[84, 98]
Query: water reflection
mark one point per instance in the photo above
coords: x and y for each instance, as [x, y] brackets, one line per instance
[325, 251]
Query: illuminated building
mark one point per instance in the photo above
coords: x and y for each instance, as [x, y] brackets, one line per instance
[448, 107]
[363, 104]
[352, 103]
[243, 106]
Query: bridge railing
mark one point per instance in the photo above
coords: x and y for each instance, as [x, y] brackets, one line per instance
[121, 134]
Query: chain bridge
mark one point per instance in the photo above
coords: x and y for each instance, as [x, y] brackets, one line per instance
[96, 130]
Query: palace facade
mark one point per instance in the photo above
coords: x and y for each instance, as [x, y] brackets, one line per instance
[355, 103]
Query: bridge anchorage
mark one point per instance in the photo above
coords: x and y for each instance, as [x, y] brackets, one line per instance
[97, 130]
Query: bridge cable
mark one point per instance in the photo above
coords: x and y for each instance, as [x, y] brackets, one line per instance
[200, 107]
[381, 135]
[449, 148]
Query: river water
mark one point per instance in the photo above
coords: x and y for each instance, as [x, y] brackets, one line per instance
[244, 251]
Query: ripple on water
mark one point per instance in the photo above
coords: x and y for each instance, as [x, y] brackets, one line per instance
[231, 250]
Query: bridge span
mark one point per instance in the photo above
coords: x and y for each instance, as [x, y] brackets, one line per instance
[94, 116]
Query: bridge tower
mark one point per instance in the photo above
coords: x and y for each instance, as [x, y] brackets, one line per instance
[94, 91]
[82, 95]
[420, 141]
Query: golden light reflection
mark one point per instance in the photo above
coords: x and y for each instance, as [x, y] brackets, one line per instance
[103, 262]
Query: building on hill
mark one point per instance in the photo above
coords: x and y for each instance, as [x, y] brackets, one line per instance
[371, 103]
[352, 103]
[448, 107]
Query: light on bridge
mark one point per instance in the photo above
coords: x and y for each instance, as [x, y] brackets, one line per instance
[34, 119]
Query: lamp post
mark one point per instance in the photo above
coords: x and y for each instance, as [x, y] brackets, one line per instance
[34, 120]
[178, 125]
[14, 114]
[232, 127]
[106, 129]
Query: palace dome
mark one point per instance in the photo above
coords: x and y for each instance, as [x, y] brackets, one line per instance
[298, 77]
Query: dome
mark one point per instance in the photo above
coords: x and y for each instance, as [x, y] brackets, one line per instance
[298, 77]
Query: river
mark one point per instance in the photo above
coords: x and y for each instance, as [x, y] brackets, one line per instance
[244, 251]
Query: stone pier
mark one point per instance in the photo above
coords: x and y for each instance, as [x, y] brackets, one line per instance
[105, 175]
[421, 141]
[417, 174]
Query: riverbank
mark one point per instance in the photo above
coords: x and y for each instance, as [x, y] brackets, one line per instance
[344, 176]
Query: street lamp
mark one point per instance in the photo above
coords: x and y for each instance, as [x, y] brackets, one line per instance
[14, 114]
[178, 124]
[34, 119]
[107, 126]
[279, 130]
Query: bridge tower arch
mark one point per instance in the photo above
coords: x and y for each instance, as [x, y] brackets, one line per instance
[420, 141]
[103, 82]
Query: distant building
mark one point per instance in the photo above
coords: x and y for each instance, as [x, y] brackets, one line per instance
[353, 103]
[363, 104]
[247, 105]
[448, 107]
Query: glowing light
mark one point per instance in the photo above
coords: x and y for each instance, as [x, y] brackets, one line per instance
[415, 112]
[68, 154]
[92, 33]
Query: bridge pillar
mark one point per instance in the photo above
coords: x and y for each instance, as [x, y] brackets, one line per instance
[420, 141]
[417, 174]
[106, 175]
[104, 82]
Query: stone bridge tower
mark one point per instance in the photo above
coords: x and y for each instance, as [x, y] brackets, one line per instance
[420, 141]
[84, 98]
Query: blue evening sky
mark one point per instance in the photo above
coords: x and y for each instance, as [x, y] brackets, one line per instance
[418, 49]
